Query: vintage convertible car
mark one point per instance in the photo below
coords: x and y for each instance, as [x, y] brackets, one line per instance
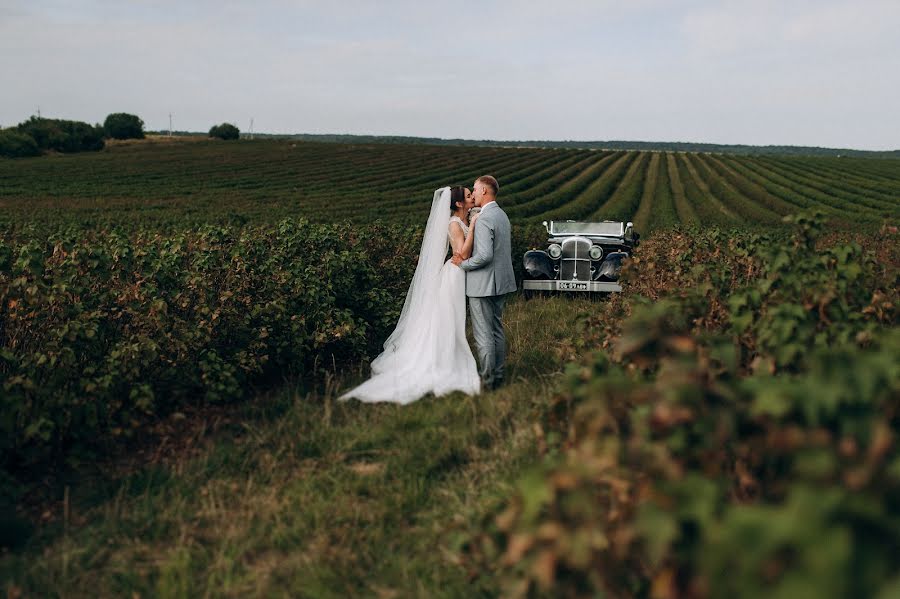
[580, 256]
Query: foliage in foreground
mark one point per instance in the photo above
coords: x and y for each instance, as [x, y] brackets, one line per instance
[104, 331]
[740, 440]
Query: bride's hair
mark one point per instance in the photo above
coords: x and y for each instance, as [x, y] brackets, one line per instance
[457, 195]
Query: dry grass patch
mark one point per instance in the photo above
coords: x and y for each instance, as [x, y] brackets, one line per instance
[306, 496]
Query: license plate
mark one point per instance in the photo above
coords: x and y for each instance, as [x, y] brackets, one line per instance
[573, 286]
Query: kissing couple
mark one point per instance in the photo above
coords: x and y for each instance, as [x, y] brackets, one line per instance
[428, 351]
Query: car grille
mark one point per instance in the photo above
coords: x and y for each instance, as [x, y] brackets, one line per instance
[575, 260]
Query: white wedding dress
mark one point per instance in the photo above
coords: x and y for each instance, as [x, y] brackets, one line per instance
[428, 351]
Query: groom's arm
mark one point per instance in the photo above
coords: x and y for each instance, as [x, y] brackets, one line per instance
[483, 253]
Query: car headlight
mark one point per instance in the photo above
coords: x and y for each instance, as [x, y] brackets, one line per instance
[555, 251]
[596, 252]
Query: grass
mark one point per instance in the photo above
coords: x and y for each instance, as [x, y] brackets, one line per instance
[303, 496]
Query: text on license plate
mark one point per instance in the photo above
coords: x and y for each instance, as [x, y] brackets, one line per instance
[575, 286]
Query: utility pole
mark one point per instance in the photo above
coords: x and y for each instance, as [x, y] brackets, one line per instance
[251, 127]
[39, 112]
[170, 124]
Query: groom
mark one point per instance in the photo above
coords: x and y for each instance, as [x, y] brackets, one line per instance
[489, 276]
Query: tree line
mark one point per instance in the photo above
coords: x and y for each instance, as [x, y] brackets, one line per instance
[38, 135]
[648, 146]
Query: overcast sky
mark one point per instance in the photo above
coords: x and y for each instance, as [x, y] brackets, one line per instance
[799, 72]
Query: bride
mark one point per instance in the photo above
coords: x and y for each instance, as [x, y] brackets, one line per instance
[428, 351]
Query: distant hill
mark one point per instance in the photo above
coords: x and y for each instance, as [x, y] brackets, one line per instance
[661, 146]
[667, 146]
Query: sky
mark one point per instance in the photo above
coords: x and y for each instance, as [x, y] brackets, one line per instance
[781, 72]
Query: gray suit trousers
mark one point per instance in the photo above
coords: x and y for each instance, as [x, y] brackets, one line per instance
[487, 329]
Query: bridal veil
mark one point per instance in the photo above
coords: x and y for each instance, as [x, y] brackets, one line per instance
[427, 352]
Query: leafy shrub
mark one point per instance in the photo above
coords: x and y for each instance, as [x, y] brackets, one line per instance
[14, 144]
[121, 125]
[225, 131]
[105, 330]
[739, 440]
[63, 136]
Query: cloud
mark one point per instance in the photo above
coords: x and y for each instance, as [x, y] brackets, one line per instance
[744, 26]
[761, 72]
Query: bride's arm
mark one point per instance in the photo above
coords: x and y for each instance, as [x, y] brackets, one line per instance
[458, 239]
[466, 251]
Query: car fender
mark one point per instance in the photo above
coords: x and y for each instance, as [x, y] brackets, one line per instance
[538, 265]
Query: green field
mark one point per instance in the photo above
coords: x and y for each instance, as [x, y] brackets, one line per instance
[206, 181]
[177, 319]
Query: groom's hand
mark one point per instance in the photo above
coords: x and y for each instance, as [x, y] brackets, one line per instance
[457, 259]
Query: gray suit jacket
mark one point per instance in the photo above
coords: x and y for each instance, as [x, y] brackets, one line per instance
[489, 271]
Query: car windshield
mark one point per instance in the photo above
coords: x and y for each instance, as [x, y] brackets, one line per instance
[580, 228]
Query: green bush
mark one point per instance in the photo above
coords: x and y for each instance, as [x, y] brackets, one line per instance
[225, 131]
[107, 330]
[14, 144]
[121, 125]
[738, 441]
[63, 136]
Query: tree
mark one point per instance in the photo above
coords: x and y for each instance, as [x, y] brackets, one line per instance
[15, 144]
[121, 125]
[47, 133]
[63, 136]
[225, 131]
